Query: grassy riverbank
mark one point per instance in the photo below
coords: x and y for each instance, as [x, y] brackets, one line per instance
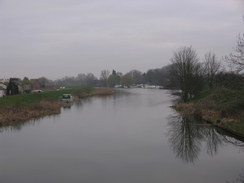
[33, 98]
[20, 108]
[222, 107]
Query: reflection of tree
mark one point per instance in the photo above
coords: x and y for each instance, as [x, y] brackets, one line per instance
[240, 179]
[233, 141]
[185, 138]
[231, 138]
[213, 140]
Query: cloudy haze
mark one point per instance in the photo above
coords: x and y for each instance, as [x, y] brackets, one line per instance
[56, 38]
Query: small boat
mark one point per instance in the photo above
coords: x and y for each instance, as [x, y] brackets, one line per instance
[67, 98]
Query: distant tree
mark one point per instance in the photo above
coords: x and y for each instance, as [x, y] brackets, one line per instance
[114, 79]
[157, 76]
[186, 72]
[43, 81]
[65, 81]
[90, 79]
[236, 59]
[104, 77]
[150, 76]
[164, 76]
[119, 74]
[114, 72]
[127, 80]
[136, 75]
[81, 79]
[211, 68]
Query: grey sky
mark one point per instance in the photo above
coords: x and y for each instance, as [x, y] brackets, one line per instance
[55, 38]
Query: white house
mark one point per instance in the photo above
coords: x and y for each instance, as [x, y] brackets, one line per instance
[3, 89]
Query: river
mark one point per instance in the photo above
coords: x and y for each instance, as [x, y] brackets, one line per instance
[131, 137]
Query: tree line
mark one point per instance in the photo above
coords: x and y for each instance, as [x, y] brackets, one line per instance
[191, 75]
[185, 72]
[112, 78]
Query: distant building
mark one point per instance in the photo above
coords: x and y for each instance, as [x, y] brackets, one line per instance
[49, 86]
[41, 83]
[27, 88]
[3, 89]
[36, 84]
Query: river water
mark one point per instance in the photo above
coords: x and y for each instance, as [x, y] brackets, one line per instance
[131, 137]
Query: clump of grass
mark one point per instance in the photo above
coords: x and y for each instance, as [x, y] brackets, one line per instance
[14, 115]
[82, 92]
[103, 91]
[185, 108]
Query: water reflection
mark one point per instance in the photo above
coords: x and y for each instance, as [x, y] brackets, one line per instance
[213, 139]
[185, 138]
[17, 126]
[80, 103]
[239, 179]
[188, 135]
[67, 105]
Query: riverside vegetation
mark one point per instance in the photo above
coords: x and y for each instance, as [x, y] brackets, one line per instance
[208, 90]
[19, 108]
[221, 107]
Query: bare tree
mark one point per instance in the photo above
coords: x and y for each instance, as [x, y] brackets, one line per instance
[211, 68]
[186, 72]
[104, 77]
[236, 59]
[90, 79]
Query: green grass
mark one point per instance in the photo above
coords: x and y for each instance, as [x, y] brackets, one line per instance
[202, 95]
[228, 102]
[223, 98]
[227, 99]
[236, 127]
[27, 99]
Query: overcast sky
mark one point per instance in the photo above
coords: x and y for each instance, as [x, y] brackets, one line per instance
[56, 38]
